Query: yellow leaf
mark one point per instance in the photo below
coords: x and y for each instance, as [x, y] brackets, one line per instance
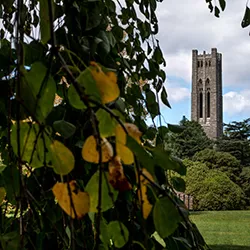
[63, 161]
[142, 195]
[91, 154]
[2, 194]
[80, 200]
[121, 139]
[105, 82]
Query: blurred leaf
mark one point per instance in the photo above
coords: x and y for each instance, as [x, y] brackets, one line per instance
[107, 123]
[38, 91]
[118, 233]
[152, 105]
[2, 194]
[142, 193]
[30, 137]
[246, 19]
[121, 138]
[164, 97]
[178, 183]
[89, 84]
[74, 99]
[166, 217]
[222, 4]
[143, 156]
[90, 152]
[10, 241]
[106, 83]
[65, 129]
[63, 161]
[216, 11]
[92, 188]
[44, 21]
[175, 128]
[74, 202]
[116, 176]
[166, 161]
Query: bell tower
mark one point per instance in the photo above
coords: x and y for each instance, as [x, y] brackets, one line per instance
[206, 106]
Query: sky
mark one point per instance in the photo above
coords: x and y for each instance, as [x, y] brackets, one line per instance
[188, 24]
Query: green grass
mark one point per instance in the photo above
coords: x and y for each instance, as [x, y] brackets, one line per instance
[224, 230]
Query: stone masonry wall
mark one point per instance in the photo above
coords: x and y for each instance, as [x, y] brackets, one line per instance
[207, 80]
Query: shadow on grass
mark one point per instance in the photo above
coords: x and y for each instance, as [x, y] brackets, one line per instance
[228, 247]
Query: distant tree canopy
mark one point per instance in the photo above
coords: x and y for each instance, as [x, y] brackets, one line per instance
[191, 140]
[222, 161]
[236, 140]
[211, 188]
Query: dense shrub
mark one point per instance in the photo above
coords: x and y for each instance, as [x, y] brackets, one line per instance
[245, 183]
[222, 161]
[211, 188]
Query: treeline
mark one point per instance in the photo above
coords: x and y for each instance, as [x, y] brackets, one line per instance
[218, 172]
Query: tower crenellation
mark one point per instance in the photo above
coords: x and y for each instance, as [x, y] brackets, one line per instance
[206, 106]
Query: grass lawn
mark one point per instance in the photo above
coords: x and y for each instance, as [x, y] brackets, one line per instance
[224, 230]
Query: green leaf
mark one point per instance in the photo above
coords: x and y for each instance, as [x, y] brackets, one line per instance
[44, 21]
[178, 183]
[65, 129]
[107, 123]
[104, 41]
[166, 161]
[151, 133]
[92, 189]
[38, 91]
[143, 156]
[74, 99]
[152, 105]
[10, 241]
[222, 4]
[86, 81]
[246, 19]
[30, 139]
[33, 51]
[164, 97]
[216, 11]
[118, 233]
[166, 217]
[104, 236]
[175, 128]
[11, 183]
[63, 161]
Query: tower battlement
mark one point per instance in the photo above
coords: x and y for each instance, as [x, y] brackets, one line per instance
[206, 103]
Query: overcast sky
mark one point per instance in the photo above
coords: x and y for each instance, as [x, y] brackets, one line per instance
[188, 24]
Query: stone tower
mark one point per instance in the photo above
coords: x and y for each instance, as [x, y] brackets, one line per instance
[206, 106]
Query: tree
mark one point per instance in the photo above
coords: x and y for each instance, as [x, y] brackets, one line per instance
[236, 141]
[211, 188]
[191, 140]
[222, 161]
[77, 173]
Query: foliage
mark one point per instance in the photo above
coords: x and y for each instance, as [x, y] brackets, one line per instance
[217, 7]
[212, 189]
[81, 167]
[191, 140]
[236, 140]
[222, 161]
[244, 183]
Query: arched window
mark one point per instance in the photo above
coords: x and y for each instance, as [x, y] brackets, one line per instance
[201, 63]
[201, 104]
[209, 63]
[207, 82]
[198, 64]
[208, 104]
[206, 63]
